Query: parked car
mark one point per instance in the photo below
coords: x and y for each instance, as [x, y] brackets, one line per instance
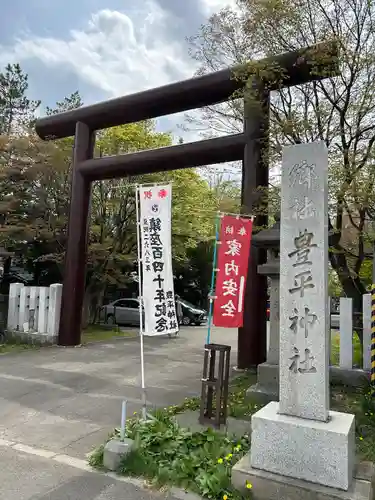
[191, 314]
[126, 312]
[122, 312]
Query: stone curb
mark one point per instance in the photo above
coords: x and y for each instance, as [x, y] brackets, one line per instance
[184, 495]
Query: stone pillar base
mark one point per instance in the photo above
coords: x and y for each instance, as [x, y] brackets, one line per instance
[269, 486]
[319, 452]
[114, 451]
[267, 387]
[32, 338]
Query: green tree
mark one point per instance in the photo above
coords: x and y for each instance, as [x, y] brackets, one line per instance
[73, 101]
[338, 110]
[112, 248]
[16, 110]
[227, 192]
[35, 192]
[34, 186]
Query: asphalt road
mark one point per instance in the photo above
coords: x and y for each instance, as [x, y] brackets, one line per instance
[28, 476]
[57, 404]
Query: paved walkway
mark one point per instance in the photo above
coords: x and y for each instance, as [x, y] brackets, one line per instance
[65, 401]
[24, 475]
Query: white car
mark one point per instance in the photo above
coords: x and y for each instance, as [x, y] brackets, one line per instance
[122, 312]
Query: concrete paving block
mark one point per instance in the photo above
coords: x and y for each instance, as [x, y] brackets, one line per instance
[33, 428]
[84, 446]
[114, 451]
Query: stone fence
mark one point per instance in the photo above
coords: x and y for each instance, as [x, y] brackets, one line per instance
[34, 312]
[351, 356]
[350, 362]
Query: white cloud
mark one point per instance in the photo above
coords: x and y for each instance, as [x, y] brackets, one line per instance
[116, 53]
[212, 6]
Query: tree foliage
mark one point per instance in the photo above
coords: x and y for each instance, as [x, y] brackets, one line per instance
[16, 110]
[339, 111]
[112, 243]
[35, 178]
[35, 187]
[73, 101]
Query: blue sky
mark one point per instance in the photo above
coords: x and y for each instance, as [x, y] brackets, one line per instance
[103, 48]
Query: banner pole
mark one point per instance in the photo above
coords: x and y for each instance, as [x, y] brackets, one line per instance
[373, 323]
[140, 298]
[217, 220]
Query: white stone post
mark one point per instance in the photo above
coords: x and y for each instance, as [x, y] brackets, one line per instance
[366, 305]
[55, 294]
[299, 437]
[43, 309]
[33, 308]
[14, 306]
[24, 309]
[346, 333]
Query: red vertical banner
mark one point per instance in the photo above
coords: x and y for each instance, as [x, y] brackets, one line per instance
[232, 265]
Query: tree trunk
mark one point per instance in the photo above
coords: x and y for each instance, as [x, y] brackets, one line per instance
[97, 304]
[92, 300]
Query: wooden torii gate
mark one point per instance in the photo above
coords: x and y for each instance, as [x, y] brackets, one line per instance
[295, 68]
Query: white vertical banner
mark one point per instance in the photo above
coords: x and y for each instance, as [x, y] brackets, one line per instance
[156, 250]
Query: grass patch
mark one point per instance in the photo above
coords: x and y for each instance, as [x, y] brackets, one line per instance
[335, 350]
[14, 345]
[96, 457]
[96, 333]
[167, 454]
[238, 405]
[361, 403]
[201, 462]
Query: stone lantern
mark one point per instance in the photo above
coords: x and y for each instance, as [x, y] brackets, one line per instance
[267, 387]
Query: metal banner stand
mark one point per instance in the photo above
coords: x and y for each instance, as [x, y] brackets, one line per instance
[212, 287]
[140, 298]
[373, 324]
[215, 385]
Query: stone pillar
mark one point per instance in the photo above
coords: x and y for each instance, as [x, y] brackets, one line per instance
[33, 309]
[14, 306]
[43, 309]
[267, 387]
[24, 309]
[299, 438]
[55, 294]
